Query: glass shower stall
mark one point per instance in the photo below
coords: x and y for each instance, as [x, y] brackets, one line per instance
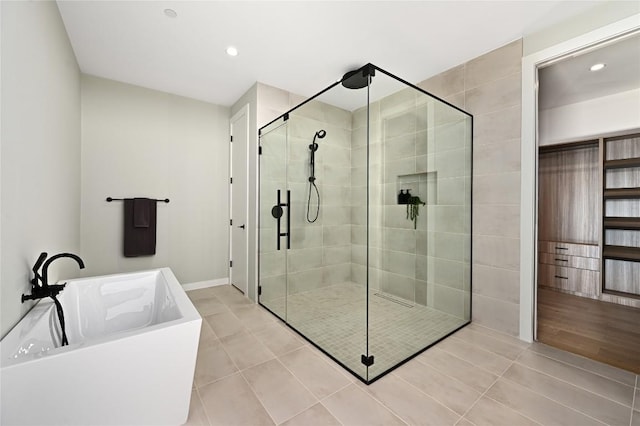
[365, 220]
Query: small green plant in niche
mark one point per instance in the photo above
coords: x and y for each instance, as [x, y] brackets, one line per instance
[413, 209]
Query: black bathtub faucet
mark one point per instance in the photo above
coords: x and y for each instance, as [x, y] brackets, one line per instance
[44, 289]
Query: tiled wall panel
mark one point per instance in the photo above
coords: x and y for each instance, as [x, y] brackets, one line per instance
[489, 88]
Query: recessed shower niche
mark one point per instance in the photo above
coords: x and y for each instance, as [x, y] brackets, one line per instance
[369, 277]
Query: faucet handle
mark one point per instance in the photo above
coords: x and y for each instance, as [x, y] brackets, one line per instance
[38, 263]
[36, 266]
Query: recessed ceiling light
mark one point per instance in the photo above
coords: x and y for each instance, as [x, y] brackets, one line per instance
[232, 51]
[597, 67]
[170, 13]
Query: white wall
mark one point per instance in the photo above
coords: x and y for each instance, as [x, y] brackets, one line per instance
[138, 142]
[40, 149]
[603, 14]
[594, 117]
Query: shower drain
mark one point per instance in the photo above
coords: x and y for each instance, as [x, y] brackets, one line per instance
[394, 299]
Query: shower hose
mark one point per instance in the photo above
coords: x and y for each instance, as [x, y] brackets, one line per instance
[312, 186]
[65, 342]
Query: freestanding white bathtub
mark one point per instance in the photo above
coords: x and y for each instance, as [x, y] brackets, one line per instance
[133, 341]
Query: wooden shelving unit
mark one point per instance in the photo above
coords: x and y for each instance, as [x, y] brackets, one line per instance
[589, 246]
[622, 164]
[621, 167]
[630, 223]
[629, 254]
[613, 193]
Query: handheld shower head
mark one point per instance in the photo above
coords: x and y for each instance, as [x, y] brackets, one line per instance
[312, 178]
[319, 134]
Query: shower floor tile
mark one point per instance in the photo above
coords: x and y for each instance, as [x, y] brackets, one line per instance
[335, 319]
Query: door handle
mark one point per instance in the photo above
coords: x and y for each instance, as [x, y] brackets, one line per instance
[276, 212]
[288, 219]
[241, 226]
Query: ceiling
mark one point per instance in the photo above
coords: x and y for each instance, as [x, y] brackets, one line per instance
[570, 80]
[299, 46]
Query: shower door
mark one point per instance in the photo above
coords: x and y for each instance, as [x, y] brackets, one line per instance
[291, 231]
[307, 216]
[272, 245]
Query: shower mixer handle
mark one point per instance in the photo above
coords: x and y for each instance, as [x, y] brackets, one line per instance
[276, 211]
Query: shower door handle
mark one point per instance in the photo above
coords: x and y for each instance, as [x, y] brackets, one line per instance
[276, 212]
[288, 219]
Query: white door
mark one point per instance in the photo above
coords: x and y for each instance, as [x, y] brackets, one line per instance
[239, 193]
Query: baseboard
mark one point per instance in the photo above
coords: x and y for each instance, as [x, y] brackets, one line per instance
[205, 284]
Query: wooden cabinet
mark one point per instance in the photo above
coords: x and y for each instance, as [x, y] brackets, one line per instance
[569, 218]
[572, 268]
[569, 199]
[581, 282]
[569, 249]
[589, 218]
[579, 262]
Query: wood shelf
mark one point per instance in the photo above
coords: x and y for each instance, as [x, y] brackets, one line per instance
[621, 253]
[621, 293]
[631, 223]
[622, 164]
[612, 193]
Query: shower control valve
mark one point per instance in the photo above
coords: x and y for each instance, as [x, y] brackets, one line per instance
[276, 212]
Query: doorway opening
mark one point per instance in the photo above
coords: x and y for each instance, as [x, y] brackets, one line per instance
[588, 203]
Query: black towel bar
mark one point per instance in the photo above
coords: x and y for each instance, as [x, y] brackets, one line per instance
[110, 199]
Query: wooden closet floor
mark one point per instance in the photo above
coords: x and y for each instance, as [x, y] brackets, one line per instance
[602, 331]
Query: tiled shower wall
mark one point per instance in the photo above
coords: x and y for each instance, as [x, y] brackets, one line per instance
[320, 252]
[420, 144]
[489, 87]
[359, 199]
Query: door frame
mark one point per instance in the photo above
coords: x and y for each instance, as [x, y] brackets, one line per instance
[243, 111]
[529, 159]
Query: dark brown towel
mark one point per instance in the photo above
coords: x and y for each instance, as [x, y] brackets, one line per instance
[141, 212]
[139, 240]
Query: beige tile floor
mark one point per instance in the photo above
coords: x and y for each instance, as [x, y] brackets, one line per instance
[253, 370]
